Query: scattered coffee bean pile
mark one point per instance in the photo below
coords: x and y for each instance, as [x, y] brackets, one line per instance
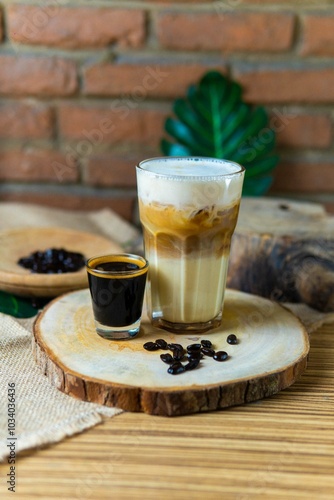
[53, 261]
[192, 354]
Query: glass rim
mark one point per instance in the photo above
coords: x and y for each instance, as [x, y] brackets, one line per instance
[141, 167]
[119, 257]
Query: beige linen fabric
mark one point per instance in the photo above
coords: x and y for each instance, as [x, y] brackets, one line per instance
[102, 222]
[43, 414]
[310, 318]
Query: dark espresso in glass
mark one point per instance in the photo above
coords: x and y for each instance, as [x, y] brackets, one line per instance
[117, 286]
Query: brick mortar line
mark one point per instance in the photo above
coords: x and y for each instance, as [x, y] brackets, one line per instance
[322, 155]
[143, 55]
[17, 49]
[193, 57]
[164, 104]
[312, 109]
[27, 144]
[297, 35]
[255, 60]
[293, 154]
[100, 103]
[57, 141]
[156, 104]
[293, 64]
[203, 7]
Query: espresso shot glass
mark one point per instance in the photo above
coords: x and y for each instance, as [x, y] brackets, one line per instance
[117, 285]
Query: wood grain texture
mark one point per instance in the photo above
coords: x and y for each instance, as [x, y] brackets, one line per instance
[278, 448]
[284, 250]
[270, 355]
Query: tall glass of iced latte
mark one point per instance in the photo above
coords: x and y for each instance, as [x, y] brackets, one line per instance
[188, 208]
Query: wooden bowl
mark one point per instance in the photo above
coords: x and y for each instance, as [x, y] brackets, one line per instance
[18, 243]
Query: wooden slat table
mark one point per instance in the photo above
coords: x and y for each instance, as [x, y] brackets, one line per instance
[278, 448]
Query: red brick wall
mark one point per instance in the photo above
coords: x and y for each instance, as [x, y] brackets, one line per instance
[85, 87]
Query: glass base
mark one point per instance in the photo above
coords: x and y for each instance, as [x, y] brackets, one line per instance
[117, 332]
[187, 327]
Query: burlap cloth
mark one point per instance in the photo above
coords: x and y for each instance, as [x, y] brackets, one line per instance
[43, 415]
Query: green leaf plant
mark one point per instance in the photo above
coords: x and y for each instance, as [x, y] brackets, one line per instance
[213, 121]
[16, 306]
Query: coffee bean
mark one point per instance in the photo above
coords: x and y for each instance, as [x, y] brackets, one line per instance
[193, 363]
[174, 346]
[193, 347]
[176, 368]
[167, 358]
[161, 343]
[53, 261]
[194, 355]
[232, 339]
[208, 352]
[178, 354]
[220, 356]
[151, 346]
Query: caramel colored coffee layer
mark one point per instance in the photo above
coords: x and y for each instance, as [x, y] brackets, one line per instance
[188, 232]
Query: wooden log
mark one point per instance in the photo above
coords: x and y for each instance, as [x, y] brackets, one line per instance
[270, 355]
[284, 250]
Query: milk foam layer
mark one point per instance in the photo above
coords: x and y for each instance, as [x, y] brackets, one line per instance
[195, 182]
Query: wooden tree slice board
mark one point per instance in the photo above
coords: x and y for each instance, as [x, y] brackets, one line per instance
[270, 356]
